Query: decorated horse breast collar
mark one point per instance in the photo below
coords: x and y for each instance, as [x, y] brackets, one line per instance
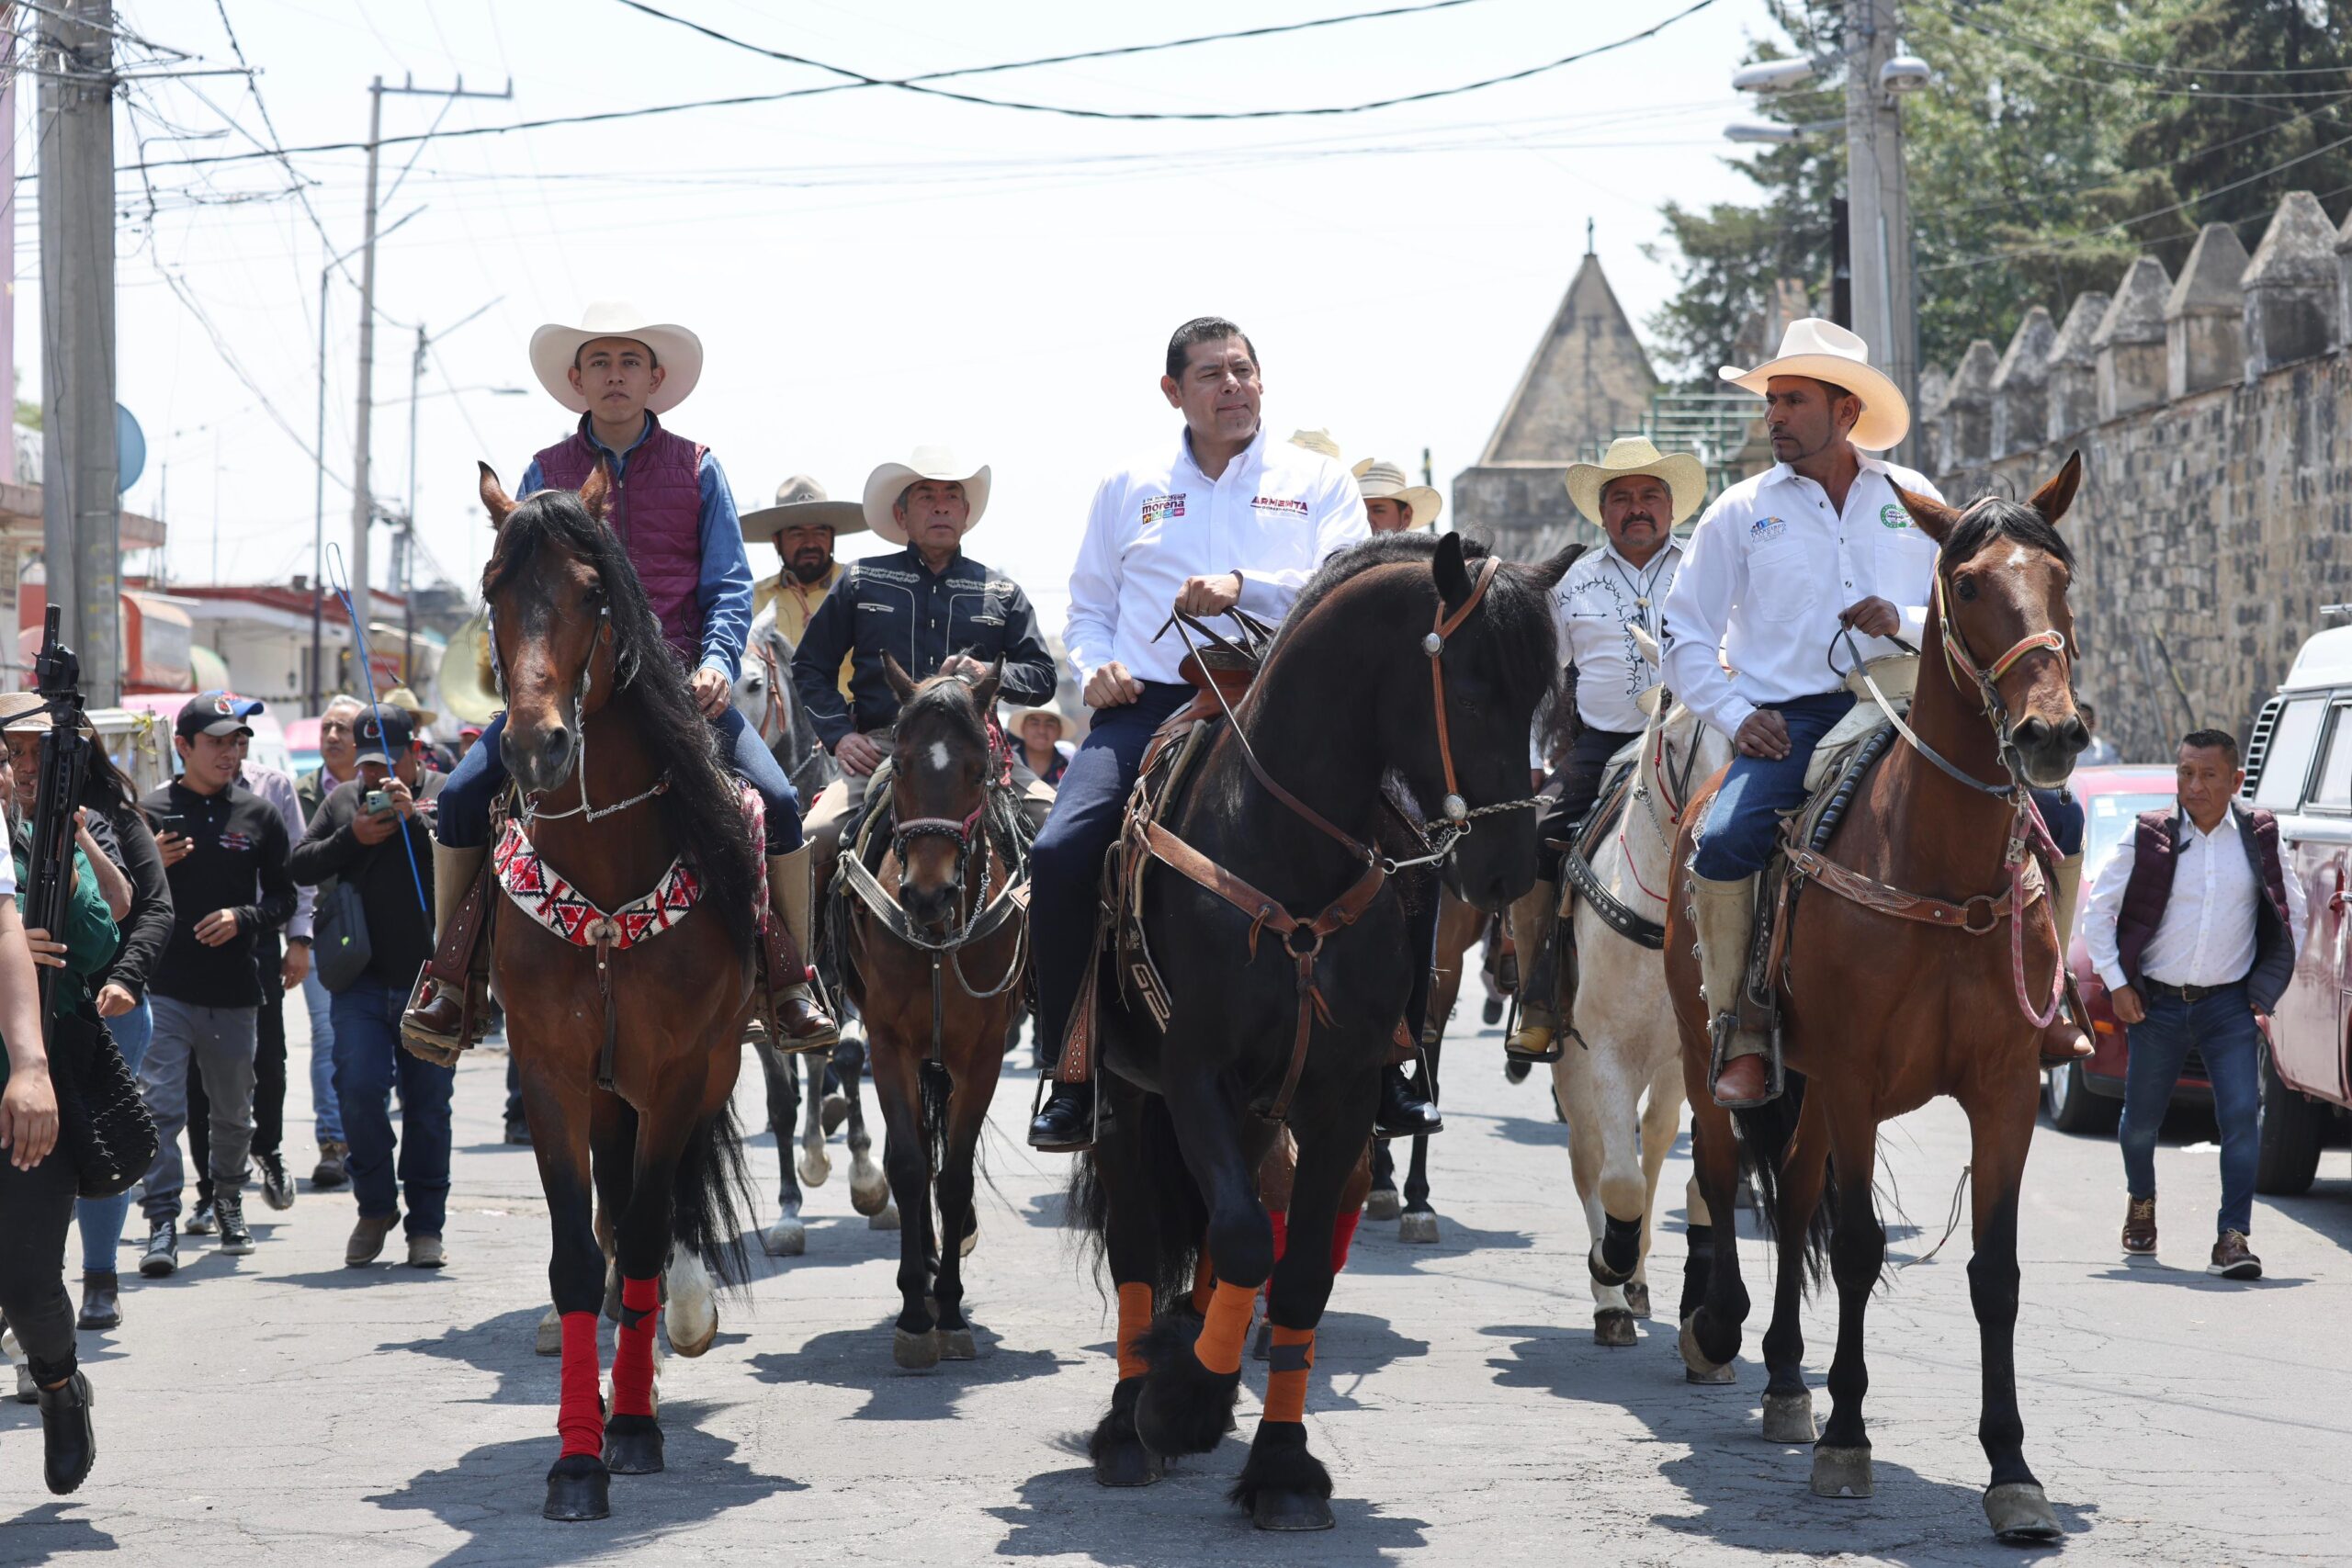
[544, 893]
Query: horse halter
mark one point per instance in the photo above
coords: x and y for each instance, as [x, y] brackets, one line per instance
[530, 807]
[1961, 662]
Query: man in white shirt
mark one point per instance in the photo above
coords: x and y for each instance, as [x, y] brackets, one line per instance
[2193, 925]
[1228, 518]
[1638, 497]
[1777, 567]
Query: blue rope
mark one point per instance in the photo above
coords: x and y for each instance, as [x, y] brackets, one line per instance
[368, 672]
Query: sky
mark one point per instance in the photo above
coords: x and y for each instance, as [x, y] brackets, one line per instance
[869, 270]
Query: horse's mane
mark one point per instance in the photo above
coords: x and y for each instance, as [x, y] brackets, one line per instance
[701, 808]
[1995, 517]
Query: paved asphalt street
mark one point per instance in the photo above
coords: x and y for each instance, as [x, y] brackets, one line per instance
[283, 1409]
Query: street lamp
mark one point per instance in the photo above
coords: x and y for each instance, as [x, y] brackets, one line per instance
[1772, 75]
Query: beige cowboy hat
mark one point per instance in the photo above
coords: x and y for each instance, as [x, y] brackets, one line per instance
[1318, 441]
[400, 697]
[1685, 477]
[24, 712]
[1021, 717]
[886, 483]
[677, 351]
[801, 502]
[1827, 352]
[1381, 480]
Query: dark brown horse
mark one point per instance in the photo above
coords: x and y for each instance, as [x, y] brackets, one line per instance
[628, 1047]
[1883, 1013]
[936, 946]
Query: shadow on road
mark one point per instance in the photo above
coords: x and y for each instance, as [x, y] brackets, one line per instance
[1351, 1346]
[1186, 1519]
[48, 1530]
[1377, 1250]
[859, 1360]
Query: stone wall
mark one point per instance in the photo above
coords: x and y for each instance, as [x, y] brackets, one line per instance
[2216, 514]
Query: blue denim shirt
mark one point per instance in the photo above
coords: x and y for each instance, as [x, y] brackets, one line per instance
[725, 591]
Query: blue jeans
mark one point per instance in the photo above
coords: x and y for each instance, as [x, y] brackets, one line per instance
[2222, 1029]
[322, 1106]
[368, 1062]
[463, 808]
[101, 1218]
[1743, 824]
[1066, 863]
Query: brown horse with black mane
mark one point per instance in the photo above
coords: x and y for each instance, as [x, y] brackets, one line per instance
[1914, 967]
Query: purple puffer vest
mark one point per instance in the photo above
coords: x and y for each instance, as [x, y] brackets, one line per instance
[2155, 856]
[656, 511]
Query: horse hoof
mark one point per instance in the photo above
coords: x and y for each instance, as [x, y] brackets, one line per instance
[1262, 1346]
[1843, 1473]
[1613, 1326]
[1419, 1226]
[1697, 1369]
[632, 1445]
[579, 1487]
[815, 1169]
[1788, 1417]
[1383, 1204]
[1597, 1267]
[915, 1352]
[785, 1238]
[955, 1345]
[1291, 1511]
[1637, 1298]
[869, 1191]
[550, 1337]
[884, 1219]
[1126, 1464]
[2020, 1513]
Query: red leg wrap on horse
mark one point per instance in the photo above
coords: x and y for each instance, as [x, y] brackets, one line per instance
[1344, 1235]
[580, 1413]
[1289, 1361]
[633, 1350]
[1135, 1318]
[1219, 1346]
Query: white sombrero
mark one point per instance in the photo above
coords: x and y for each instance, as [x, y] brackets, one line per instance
[1685, 476]
[1318, 441]
[1827, 352]
[677, 351]
[801, 502]
[1380, 480]
[886, 483]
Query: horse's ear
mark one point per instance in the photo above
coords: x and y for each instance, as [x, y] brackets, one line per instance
[597, 490]
[984, 690]
[495, 499]
[1936, 519]
[900, 682]
[1646, 645]
[1548, 574]
[1453, 583]
[2052, 498]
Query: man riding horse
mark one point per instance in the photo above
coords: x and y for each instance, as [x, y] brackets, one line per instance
[1638, 497]
[676, 519]
[803, 525]
[1789, 577]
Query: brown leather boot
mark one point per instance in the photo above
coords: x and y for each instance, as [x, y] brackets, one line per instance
[2140, 1227]
[434, 1025]
[792, 893]
[1743, 1083]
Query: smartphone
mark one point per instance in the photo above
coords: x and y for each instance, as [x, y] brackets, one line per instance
[171, 822]
[377, 803]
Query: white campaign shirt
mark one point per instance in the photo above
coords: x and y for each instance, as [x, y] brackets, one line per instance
[1765, 574]
[1273, 515]
[2207, 937]
[1597, 604]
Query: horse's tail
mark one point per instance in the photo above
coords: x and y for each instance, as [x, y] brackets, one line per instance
[712, 1193]
[1179, 1216]
[1765, 1134]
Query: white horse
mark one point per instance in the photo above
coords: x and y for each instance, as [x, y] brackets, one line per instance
[1620, 1077]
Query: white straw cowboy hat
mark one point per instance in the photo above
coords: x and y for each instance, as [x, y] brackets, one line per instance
[677, 351]
[1318, 441]
[1023, 715]
[1827, 352]
[886, 483]
[1381, 480]
[1685, 477]
[801, 502]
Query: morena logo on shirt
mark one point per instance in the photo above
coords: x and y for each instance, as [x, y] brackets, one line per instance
[1158, 507]
[1764, 530]
[1893, 516]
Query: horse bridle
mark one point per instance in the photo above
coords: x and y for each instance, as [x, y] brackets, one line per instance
[532, 815]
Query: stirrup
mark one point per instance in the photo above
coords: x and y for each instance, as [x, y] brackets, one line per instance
[433, 1048]
[1553, 1050]
[1096, 1127]
[1720, 1030]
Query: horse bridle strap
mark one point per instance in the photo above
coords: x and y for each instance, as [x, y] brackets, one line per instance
[1454, 808]
[1263, 912]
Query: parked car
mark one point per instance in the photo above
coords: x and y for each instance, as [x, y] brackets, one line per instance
[2087, 1096]
[2299, 765]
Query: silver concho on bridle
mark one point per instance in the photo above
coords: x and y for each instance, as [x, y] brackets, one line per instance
[1433, 644]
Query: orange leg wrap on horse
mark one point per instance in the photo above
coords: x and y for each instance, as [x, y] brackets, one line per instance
[1219, 1346]
[580, 1412]
[1292, 1357]
[633, 1347]
[1135, 1317]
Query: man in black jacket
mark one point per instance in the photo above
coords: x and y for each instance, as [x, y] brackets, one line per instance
[374, 834]
[226, 849]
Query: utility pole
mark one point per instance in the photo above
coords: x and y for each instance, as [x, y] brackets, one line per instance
[81, 511]
[408, 527]
[1879, 213]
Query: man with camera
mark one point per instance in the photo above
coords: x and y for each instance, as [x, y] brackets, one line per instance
[374, 836]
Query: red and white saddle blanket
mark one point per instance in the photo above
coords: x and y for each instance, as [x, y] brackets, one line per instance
[547, 896]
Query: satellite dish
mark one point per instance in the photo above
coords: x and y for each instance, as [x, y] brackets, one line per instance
[130, 450]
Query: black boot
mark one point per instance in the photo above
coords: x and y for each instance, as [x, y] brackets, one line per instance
[1402, 1113]
[100, 1307]
[72, 1446]
[1066, 1126]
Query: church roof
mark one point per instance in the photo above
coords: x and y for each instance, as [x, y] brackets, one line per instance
[1588, 379]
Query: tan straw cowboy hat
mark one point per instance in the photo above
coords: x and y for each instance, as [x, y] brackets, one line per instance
[1021, 717]
[1827, 352]
[1318, 441]
[1685, 477]
[886, 483]
[400, 697]
[1381, 480]
[801, 502]
[677, 351]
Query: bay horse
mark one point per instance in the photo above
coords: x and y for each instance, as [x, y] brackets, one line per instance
[1883, 1010]
[1400, 656]
[627, 1048]
[935, 951]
